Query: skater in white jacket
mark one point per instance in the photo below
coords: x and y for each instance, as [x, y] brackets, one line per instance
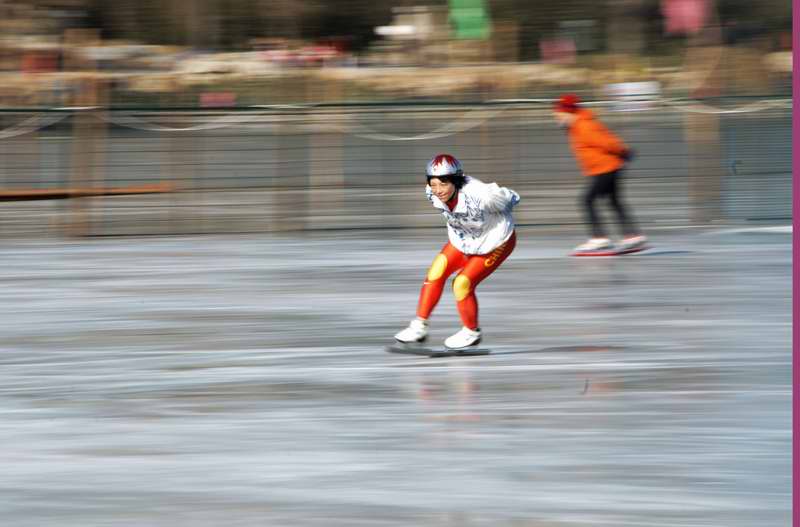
[481, 235]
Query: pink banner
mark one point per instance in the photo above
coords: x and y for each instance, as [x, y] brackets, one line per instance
[685, 16]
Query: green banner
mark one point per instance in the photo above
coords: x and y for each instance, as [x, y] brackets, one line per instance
[470, 19]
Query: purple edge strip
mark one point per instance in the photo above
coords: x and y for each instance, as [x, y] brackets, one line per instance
[795, 273]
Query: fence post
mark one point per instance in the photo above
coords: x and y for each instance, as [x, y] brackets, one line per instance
[287, 192]
[326, 175]
[185, 211]
[705, 166]
[79, 223]
[98, 129]
[81, 165]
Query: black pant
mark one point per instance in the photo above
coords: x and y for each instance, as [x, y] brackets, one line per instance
[606, 185]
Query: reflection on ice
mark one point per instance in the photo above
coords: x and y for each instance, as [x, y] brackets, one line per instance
[242, 381]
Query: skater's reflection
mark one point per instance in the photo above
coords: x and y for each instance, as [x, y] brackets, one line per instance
[452, 397]
[594, 382]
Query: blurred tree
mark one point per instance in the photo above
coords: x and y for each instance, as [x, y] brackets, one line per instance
[744, 20]
[230, 24]
[540, 20]
[354, 20]
[636, 25]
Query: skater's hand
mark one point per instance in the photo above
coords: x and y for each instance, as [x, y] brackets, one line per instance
[628, 155]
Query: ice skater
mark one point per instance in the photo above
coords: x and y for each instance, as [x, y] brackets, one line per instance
[602, 156]
[480, 229]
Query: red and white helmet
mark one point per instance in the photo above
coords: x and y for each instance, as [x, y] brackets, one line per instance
[444, 165]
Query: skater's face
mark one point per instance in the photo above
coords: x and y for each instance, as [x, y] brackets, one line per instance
[564, 119]
[442, 189]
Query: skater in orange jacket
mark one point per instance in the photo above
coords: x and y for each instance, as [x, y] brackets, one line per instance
[602, 156]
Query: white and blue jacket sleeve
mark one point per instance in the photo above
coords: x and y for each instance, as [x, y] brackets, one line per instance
[481, 220]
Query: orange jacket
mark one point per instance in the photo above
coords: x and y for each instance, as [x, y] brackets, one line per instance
[598, 150]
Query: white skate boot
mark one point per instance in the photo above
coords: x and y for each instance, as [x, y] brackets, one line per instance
[417, 331]
[463, 339]
[595, 244]
[631, 243]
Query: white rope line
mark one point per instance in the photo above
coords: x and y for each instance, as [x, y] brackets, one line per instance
[698, 107]
[455, 127]
[282, 106]
[688, 106]
[782, 103]
[76, 108]
[31, 124]
[522, 101]
[233, 119]
[130, 121]
[356, 129]
[467, 121]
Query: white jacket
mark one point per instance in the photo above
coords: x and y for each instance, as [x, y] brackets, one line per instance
[481, 221]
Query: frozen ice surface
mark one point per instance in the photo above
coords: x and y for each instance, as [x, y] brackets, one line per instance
[241, 381]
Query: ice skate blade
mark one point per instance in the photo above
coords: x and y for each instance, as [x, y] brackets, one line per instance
[609, 252]
[435, 352]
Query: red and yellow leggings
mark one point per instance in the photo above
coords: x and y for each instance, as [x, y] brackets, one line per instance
[472, 270]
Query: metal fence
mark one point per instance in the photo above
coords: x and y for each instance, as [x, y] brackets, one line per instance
[174, 171]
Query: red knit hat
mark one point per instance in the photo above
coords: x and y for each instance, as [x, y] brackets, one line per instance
[567, 103]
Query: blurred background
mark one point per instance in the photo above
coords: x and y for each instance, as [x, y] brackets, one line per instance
[223, 116]
[212, 221]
